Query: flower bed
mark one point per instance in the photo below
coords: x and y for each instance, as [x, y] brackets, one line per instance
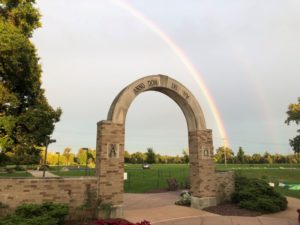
[119, 222]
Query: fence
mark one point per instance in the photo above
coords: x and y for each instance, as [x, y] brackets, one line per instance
[153, 180]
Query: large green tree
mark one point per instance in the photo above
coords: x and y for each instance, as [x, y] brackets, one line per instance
[26, 118]
[294, 116]
[22, 14]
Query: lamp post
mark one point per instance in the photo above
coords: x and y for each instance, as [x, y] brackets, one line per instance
[47, 142]
[58, 153]
[86, 161]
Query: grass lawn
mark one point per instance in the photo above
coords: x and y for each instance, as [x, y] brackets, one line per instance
[15, 174]
[144, 180]
[289, 174]
[74, 173]
[140, 180]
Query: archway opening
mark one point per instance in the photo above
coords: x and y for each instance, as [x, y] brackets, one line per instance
[154, 122]
[156, 134]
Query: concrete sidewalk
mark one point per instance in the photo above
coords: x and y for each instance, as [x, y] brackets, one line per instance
[159, 209]
[37, 173]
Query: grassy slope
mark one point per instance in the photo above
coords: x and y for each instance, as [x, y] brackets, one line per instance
[15, 174]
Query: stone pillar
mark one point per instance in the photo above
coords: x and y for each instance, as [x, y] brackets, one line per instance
[202, 169]
[110, 162]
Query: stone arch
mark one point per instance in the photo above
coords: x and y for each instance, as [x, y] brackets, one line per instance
[166, 85]
[110, 142]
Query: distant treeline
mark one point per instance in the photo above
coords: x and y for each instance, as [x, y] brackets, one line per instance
[151, 157]
[66, 158]
[83, 156]
[225, 154]
[222, 154]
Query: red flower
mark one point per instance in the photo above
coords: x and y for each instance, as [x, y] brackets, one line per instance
[119, 222]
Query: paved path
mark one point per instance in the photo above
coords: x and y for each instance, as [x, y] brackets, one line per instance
[227, 220]
[159, 209]
[146, 201]
[37, 173]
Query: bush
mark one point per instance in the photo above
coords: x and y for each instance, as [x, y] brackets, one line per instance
[257, 195]
[19, 168]
[185, 199]
[9, 170]
[35, 214]
[172, 184]
[17, 220]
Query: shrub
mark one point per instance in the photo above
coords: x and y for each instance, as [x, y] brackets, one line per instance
[17, 220]
[257, 195]
[35, 214]
[9, 170]
[172, 184]
[19, 168]
[185, 199]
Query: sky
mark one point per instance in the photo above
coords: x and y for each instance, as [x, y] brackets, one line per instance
[246, 52]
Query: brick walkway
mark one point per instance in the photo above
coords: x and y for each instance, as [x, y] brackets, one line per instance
[227, 220]
[159, 209]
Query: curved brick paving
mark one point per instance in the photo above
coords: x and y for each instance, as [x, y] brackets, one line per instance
[160, 210]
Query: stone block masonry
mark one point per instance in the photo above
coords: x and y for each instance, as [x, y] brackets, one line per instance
[225, 185]
[110, 161]
[72, 191]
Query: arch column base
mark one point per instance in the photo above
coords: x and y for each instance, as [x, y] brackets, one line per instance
[202, 167]
[117, 211]
[201, 203]
[110, 163]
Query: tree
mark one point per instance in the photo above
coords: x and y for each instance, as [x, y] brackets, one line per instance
[267, 158]
[27, 120]
[85, 156]
[240, 156]
[81, 156]
[177, 159]
[22, 14]
[185, 158]
[256, 158]
[138, 157]
[150, 155]
[224, 155]
[127, 157]
[294, 116]
[67, 155]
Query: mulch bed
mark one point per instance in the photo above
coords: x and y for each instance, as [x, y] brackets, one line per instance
[229, 209]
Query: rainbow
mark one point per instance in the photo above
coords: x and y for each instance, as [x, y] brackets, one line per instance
[184, 59]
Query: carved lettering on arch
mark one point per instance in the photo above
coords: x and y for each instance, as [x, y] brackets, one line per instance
[174, 87]
[206, 152]
[140, 87]
[113, 150]
[152, 83]
[185, 94]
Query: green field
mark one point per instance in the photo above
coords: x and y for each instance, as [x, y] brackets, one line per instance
[144, 180]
